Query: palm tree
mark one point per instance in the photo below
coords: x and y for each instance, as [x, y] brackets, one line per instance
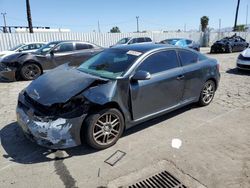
[29, 16]
[236, 15]
[204, 23]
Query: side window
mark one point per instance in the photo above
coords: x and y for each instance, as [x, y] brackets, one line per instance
[140, 40]
[188, 42]
[133, 41]
[81, 46]
[39, 46]
[66, 47]
[32, 47]
[90, 46]
[148, 39]
[24, 48]
[187, 57]
[181, 43]
[160, 62]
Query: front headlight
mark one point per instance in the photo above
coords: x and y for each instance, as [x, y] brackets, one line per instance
[74, 108]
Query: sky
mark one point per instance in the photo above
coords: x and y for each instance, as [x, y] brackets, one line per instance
[80, 15]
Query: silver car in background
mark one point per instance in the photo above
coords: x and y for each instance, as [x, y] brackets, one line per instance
[243, 61]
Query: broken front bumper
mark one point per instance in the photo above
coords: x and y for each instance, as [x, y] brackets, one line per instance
[55, 134]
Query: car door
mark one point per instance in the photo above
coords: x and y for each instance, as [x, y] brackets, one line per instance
[62, 53]
[163, 90]
[193, 74]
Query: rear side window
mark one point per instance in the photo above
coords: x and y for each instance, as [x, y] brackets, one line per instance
[188, 42]
[160, 62]
[188, 58]
[148, 39]
[140, 40]
[39, 46]
[81, 46]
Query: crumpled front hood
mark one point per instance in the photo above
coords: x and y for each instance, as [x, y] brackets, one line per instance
[60, 85]
[13, 57]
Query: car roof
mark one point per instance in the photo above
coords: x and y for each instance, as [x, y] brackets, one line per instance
[144, 47]
[178, 39]
[26, 43]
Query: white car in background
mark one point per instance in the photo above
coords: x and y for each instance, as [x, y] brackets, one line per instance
[243, 61]
[133, 40]
[25, 47]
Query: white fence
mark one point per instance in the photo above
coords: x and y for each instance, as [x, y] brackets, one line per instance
[9, 40]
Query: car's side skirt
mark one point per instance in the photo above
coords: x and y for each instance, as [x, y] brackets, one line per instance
[161, 112]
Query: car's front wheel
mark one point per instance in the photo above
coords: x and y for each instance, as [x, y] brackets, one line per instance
[207, 93]
[30, 71]
[103, 128]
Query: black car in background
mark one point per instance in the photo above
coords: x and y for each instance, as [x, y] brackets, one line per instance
[29, 66]
[186, 43]
[113, 91]
[229, 45]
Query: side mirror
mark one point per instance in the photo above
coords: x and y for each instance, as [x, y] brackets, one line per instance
[141, 75]
[52, 52]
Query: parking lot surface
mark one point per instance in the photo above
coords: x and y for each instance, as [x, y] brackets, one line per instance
[201, 147]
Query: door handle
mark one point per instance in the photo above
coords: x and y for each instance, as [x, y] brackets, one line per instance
[180, 77]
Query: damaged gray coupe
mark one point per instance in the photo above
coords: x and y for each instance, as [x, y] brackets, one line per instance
[113, 91]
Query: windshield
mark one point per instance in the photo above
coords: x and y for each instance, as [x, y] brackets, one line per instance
[171, 41]
[47, 47]
[123, 41]
[16, 47]
[110, 63]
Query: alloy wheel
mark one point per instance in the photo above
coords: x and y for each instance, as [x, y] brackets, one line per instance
[208, 92]
[107, 129]
[31, 71]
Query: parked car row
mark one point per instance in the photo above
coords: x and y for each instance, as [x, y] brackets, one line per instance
[28, 61]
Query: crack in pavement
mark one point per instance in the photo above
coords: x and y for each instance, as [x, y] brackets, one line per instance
[63, 172]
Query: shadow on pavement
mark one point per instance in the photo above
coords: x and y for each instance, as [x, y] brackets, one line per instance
[238, 72]
[21, 150]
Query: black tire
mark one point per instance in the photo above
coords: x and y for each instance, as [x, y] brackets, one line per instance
[30, 71]
[94, 131]
[206, 97]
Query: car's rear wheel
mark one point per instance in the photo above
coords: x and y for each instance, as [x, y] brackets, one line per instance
[207, 93]
[103, 128]
[30, 71]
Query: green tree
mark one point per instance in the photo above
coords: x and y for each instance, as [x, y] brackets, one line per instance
[204, 23]
[115, 30]
[29, 16]
[240, 28]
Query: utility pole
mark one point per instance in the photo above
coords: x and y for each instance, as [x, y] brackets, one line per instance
[29, 16]
[137, 21]
[99, 29]
[219, 28]
[4, 20]
[246, 18]
[236, 15]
